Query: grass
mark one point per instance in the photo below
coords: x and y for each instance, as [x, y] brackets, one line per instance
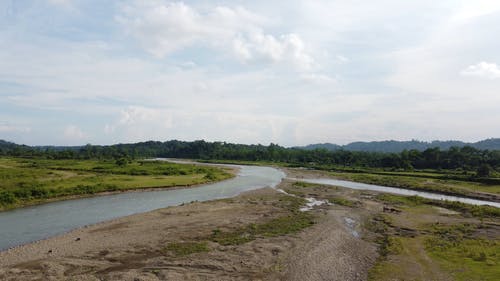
[180, 249]
[29, 181]
[305, 184]
[275, 227]
[407, 260]
[342, 201]
[292, 222]
[480, 211]
[457, 248]
[467, 257]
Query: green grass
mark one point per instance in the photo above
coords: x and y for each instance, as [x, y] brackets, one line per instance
[465, 256]
[28, 181]
[305, 184]
[181, 249]
[342, 201]
[275, 227]
[406, 260]
[421, 181]
[292, 222]
[480, 211]
[450, 248]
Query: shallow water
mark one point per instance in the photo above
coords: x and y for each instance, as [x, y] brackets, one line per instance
[29, 224]
[395, 190]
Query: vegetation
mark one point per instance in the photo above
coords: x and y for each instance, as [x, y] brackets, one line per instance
[461, 171]
[342, 201]
[27, 181]
[421, 243]
[275, 227]
[293, 222]
[398, 146]
[180, 249]
[460, 159]
[480, 211]
[469, 257]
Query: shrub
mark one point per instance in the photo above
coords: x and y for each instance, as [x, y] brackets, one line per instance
[7, 198]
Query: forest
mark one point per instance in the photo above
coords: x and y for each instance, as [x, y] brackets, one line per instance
[482, 162]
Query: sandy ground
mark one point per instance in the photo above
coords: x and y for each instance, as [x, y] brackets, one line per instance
[131, 248]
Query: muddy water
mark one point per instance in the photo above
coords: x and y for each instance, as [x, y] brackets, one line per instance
[29, 224]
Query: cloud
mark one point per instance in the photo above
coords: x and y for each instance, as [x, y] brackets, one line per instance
[62, 3]
[163, 28]
[72, 132]
[482, 70]
[138, 123]
[8, 128]
[258, 46]
[310, 71]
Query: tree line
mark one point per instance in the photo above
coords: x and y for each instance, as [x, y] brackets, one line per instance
[466, 158]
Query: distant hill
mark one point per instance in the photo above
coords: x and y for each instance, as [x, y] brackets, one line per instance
[398, 146]
[155, 148]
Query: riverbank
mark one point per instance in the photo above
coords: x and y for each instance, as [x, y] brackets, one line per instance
[416, 182]
[28, 182]
[138, 246]
[262, 235]
[446, 182]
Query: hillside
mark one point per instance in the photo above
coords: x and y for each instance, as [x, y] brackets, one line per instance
[398, 146]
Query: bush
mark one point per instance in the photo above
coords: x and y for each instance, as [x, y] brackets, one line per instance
[7, 198]
[180, 249]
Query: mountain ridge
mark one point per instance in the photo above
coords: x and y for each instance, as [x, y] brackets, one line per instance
[398, 146]
[387, 146]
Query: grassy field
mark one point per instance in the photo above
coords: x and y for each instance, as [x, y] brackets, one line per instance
[428, 181]
[425, 242]
[29, 181]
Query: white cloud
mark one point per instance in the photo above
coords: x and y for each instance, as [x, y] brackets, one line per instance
[8, 128]
[288, 48]
[165, 27]
[62, 3]
[470, 10]
[482, 70]
[74, 133]
[326, 70]
[138, 123]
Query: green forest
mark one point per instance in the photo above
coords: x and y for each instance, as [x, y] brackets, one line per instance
[483, 163]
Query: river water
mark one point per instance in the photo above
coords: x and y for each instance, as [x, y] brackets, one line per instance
[29, 224]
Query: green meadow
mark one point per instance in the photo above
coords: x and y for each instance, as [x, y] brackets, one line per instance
[30, 181]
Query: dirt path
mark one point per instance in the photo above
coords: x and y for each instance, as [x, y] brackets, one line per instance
[331, 252]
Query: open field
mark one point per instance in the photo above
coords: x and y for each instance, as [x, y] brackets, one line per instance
[262, 235]
[30, 181]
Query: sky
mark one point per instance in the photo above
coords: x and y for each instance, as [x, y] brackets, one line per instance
[290, 72]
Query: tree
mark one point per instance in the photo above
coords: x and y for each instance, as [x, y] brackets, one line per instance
[484, 170]
[121, 161]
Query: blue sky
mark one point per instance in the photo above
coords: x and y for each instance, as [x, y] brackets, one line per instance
[289, 72]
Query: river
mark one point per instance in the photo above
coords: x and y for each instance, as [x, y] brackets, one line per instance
[24, 225]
